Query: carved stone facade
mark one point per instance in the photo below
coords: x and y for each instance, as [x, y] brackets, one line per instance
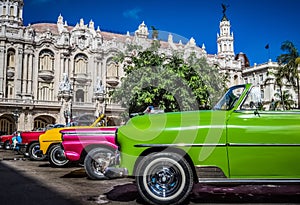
[35, 60]
[258, 75]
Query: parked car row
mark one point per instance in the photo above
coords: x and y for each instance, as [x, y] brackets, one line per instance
[93, 146]
[238, 141]
[25, 142]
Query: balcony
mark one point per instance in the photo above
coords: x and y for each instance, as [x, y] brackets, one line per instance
[46, 75]
[112, 80]
[81, 78]
[10, 72]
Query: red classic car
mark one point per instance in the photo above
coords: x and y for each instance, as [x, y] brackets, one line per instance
[94, 147]
[30, 145]
[6, 141]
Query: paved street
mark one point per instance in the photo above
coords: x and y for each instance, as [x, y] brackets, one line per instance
[29, 182]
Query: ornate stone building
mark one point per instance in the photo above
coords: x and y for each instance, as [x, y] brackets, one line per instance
[50, 72]
[258, 75]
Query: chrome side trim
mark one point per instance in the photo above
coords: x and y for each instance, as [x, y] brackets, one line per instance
[51, 141]
[180, 145]
[217, 145]
[257, 144]
[88, 133]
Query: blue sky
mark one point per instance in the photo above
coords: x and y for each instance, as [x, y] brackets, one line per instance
[254, 23]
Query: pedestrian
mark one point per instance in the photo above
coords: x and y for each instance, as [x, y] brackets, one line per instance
[16, 139]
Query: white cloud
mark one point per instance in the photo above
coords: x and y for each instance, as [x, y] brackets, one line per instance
[132, 13]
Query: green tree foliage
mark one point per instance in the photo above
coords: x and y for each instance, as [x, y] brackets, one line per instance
[168, 83]
[289, 62]
[277, 75]
[285, 101]
[214, 82]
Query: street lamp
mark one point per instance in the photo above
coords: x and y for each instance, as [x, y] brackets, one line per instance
[16, 115]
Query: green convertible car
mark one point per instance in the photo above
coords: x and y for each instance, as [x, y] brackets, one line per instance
[237, 141]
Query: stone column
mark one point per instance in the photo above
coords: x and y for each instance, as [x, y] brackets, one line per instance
[29, 121]
[34, 75]
[30, 68]
[25, 77]
[18, 73]
[66, 60]
[2, 73]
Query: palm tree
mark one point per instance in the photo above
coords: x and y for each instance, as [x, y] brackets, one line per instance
[277, 74]
[285, 100]
[290, 62]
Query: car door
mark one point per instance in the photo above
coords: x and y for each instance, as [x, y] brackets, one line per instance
[263, 144]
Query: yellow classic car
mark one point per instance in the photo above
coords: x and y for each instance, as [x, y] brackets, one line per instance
[50, 143]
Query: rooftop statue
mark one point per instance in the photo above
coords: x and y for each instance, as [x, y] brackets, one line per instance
[224, 11]
[224, 8]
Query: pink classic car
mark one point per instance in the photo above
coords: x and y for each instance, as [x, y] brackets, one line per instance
[94, 147]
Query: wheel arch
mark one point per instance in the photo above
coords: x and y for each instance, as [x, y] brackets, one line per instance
[90, 147]
[51, 145]
[29, 144]
[7, 143]
[169, 150]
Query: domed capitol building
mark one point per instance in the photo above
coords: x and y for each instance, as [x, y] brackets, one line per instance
[49, 72]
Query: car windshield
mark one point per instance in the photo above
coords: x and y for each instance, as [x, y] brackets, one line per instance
[229, 99]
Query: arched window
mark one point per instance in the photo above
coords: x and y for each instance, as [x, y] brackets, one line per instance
[46, 60]
[42, 121]
[4, 10]
[79, 96]
[225, 47]
[81, 64]
[10, 58]
[39, 124]
[9, 91]
[12, 11]
[19, 13]
[112, 69]
[7, 126]
[45, 91]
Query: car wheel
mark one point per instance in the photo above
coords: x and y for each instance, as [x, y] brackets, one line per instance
[57, 156]
[6, 145]
[164, 178]
[96, 161]
[35, 152]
